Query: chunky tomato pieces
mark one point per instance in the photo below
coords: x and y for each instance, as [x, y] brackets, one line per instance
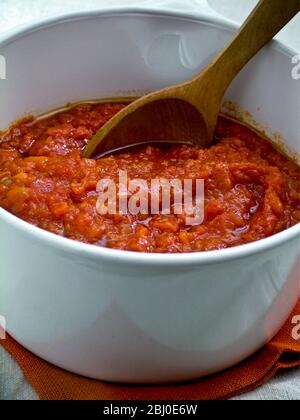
[251, 190]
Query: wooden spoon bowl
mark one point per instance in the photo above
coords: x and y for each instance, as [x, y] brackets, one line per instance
[188, 113]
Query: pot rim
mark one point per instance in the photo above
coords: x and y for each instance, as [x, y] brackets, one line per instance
[135, 258]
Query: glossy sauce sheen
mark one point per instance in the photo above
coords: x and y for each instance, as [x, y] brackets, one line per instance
[251, 190]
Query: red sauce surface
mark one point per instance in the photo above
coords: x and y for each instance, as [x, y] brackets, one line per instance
[251, 190]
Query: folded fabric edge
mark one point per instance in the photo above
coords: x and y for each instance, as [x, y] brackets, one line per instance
[257, 370]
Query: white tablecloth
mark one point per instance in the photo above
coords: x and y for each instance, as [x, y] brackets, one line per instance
[13, 386]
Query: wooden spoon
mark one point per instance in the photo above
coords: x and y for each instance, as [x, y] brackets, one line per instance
[187, 113]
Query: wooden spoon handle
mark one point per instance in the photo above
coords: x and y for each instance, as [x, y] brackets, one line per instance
[266, 20]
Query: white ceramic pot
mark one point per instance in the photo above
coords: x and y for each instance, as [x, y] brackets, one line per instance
[130, 317]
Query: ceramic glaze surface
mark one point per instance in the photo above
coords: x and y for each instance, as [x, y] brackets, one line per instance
[128, 317]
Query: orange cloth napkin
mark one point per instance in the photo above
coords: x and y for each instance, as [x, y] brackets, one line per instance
[52, 383]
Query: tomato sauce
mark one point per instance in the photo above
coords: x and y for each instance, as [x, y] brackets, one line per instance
[251, 190]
